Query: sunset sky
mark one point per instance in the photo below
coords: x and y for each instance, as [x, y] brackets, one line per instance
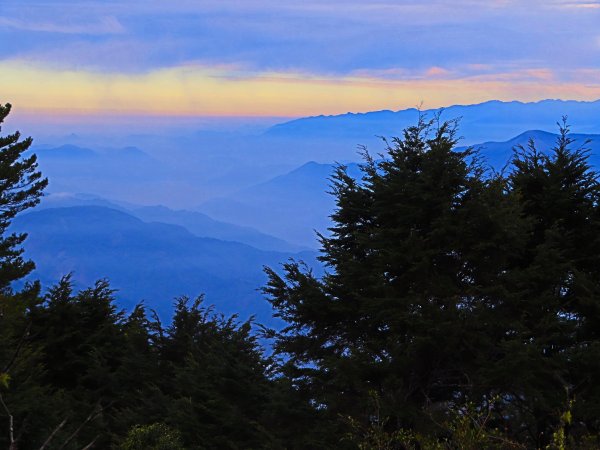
[291, 58]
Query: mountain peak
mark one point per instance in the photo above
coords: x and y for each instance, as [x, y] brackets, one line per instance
[490, 120]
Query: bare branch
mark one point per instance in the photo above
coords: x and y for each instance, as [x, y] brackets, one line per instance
[11, 424]
[95, 413]
[87, 447]
[56, 430]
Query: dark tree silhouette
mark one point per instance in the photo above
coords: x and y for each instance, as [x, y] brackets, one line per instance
[21, 186]
[448, 284]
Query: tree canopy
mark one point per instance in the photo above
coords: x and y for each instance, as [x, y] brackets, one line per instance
[459, 310]
[449, 284]
[21, 186]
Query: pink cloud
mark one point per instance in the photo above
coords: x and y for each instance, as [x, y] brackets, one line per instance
[437, 72]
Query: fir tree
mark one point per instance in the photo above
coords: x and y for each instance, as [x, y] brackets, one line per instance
[21, 186]
[408, 257]
[450, 285]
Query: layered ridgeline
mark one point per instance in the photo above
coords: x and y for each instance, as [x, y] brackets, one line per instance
[147, 261]
[293, 205]
[262, 224]
[459, 311]
[493, 120]
[190, 166]
[196, 222]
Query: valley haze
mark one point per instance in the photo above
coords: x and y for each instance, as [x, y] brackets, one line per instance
[162, 213]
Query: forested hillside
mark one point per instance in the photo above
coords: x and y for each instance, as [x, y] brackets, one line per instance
[459, 310]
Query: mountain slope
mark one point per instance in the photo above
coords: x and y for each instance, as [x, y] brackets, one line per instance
[498, 154]
[204, 226]
[197, 223]
[293, 205]
[493, 120]
[70, 167]
[153, 262]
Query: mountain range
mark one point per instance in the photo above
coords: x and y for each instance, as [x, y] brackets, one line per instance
[292, 206]
[150, 262]
[204, 213]
[494, 120]
[196, 222]
[188, 168]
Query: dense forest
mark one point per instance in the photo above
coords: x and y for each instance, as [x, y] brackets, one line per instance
[460, 309]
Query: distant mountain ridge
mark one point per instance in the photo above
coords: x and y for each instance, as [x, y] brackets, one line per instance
[70, 166]
[195, 222]
[156, 253]
[498, 154]
[489, 121]
[293, 205]
[65, 151]
[154, 262]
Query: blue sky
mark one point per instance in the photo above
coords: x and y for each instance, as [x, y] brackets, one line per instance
[267, 57]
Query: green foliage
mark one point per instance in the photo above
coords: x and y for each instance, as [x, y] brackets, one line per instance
[459, 310]
[215, 379]
[464, 428]
[4, 380]
[21, 186]
[156, 436]
[87, 374]
[448, 284]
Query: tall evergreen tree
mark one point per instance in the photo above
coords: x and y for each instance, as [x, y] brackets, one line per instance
[215, 380]
[21, 186]
[448, 284]
[413, 245]
[554, 287]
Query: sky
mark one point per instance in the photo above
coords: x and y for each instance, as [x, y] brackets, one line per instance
[281, 58]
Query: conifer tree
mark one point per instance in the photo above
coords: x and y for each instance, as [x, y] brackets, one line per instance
[215, 380]
[414, 245]
[450, 285]
[552, 306]
[21, 186]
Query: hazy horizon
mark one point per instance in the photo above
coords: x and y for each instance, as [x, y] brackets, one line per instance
[222, 108]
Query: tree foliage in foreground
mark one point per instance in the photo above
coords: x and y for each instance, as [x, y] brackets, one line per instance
[449, 285]
[87, 374]
[76, 372]
[459, 311]
[21, 186]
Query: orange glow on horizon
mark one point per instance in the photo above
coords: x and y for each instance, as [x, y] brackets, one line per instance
[200, 91]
